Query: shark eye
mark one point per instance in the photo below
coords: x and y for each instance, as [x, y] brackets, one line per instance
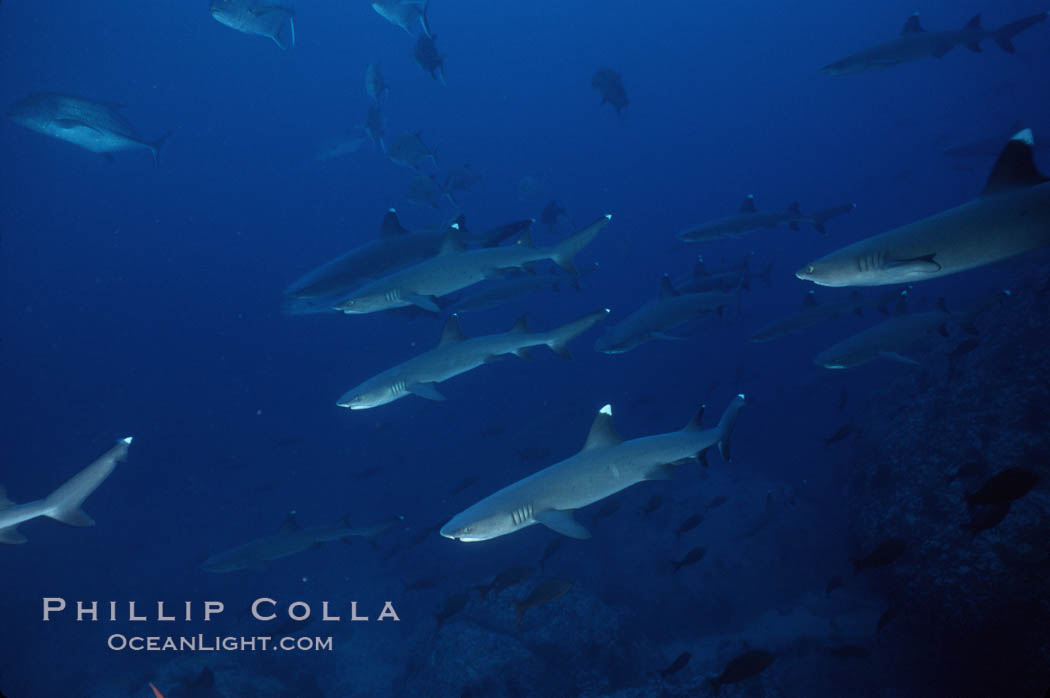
[810, 269]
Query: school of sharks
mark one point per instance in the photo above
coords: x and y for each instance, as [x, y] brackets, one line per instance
[432, 280]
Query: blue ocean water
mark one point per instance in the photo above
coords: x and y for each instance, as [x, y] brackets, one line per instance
[147, 301]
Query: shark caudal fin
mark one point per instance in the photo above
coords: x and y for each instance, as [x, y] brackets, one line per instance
[155, 147]
[424, 21]
[726, 424]
[564, 251]
[9, 534]
[1004, 34]
[558, 339]
[64, 503]
[285, 40]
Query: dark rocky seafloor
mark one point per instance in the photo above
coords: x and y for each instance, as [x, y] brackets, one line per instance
[973, 609]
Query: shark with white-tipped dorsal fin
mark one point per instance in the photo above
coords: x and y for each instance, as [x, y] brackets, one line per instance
[456, 268]
[1011, 216]
[606, 464]
[456, 354]
[64, 503]
[915, 43]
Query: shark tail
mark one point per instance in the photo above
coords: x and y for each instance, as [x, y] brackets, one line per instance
[156, 145]
[1004, 34]
[558, 339]
[564, 251]
[64, 503]
[726, 424]
[424, 21]
[279, 38]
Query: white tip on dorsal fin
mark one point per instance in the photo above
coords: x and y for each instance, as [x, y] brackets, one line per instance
[606, 410]
[608, 216]
[454, 226]
[127, 440]
[1025, 137]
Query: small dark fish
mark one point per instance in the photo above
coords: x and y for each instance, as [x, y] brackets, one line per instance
[609, 84]
[717, 502]
[1010, 484]
[691, 558]
[884, 554]
[833, 584]
[422, 584]
[963, 348]
[463, 484]
[849, 652]
[506, 579]
[750, 663]
[652, 505]
[843, 397]
[887, 616]
[549, 551]
[970, 469]
[677, 665]
[610, 507]
[453, 605]
[840, 433]
[429, 59]
[988, 516]
[542, 593]
[551, 213]
[689, 524]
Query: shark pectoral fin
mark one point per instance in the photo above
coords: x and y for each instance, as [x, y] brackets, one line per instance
[664, 471]
[427, 390]
[492, 358]
[11, 536]
[524, 354]
[424, 302]
[72, 517]
[563, 522]
[942, 51]
[894, 356]
[701, 457]
[974, 46]
[926, 264]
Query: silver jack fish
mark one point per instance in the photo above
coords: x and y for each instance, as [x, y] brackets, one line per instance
[251, 17]
[94, 126]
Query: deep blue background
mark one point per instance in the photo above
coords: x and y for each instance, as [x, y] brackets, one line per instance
[146, 302]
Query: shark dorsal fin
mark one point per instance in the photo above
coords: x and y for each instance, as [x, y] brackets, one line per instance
[694, 423]
[461, 221]
[391, 225]
[749, 204]
[666, 289]
[521, 326]
[794, 208]
[1015, 168]
[602, 432]
[451, 333]
[810, 300]
[912, 26]
[975, 22]
[4, 501]
[290, 523]
[453, 242]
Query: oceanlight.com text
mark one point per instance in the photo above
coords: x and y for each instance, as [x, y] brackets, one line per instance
[217, 643]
